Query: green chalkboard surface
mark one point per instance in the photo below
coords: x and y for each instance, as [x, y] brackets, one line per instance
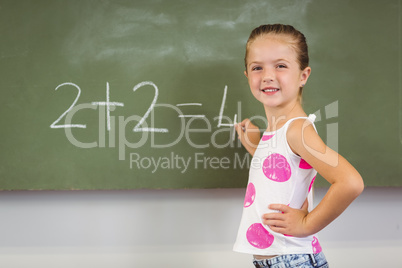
[143, 94]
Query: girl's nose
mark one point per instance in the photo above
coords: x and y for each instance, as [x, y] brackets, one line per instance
[268, 76]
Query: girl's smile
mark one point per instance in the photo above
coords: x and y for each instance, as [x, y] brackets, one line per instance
[270, 90]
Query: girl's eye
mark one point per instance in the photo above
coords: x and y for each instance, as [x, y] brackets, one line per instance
[256, 68]
[281, 66]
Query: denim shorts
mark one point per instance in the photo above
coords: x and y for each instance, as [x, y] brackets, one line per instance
[294, 260]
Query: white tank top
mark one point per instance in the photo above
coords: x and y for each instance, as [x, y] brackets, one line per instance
[277, 176]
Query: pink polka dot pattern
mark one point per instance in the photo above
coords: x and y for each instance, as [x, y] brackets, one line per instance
[304, 165]
[259, 237]
[311, 184]
[250, 195]
[276, 168]
[267, 137]
[316, 245]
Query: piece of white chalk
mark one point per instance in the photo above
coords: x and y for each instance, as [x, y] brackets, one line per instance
[243, 128]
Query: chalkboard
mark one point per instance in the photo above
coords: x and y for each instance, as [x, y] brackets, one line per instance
[143, 94]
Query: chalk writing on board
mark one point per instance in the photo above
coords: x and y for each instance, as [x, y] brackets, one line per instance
[141, 126]
[220, 124]
[54, 124]
[190, 115]
[108, 104]
[137, 127]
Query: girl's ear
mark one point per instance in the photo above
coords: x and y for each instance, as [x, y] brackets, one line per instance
[246, 74]
[305, 75]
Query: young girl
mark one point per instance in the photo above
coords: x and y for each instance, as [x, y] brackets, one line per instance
[278, 225]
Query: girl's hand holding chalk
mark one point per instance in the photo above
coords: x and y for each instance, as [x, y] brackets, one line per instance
[249, 135]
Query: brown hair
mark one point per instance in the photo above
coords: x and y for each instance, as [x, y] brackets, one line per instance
[295, 38]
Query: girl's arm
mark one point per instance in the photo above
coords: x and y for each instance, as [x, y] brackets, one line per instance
[346, 185]
[249, 135]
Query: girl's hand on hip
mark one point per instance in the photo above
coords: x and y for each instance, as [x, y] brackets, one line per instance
[289, 221]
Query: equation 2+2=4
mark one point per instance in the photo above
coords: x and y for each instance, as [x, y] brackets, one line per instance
[108, 104]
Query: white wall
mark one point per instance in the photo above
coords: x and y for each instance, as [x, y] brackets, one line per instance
[175, 228]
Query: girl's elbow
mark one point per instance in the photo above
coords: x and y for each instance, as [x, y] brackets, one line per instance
[357, 185]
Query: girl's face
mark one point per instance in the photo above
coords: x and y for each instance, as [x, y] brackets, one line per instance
[274, 73]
